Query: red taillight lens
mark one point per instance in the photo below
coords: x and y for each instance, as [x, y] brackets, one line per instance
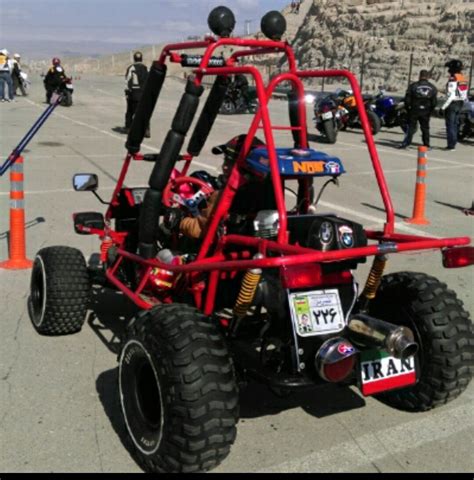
[300, 276]
[458, 257]
[338, 371]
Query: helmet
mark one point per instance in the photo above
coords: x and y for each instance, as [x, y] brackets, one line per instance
[4, 51]
[137, 57]
[454, 66]
[232, 148]
[16, 55]
[56, 61]
[206, 177]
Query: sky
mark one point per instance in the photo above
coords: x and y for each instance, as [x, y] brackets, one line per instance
[111, 25]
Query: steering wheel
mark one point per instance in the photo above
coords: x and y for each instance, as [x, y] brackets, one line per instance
[172, 197]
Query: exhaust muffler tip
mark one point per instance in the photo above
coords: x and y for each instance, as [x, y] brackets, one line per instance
[401, 343]
[398, 340]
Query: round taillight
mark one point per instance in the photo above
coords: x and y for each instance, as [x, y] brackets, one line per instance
[340, 370]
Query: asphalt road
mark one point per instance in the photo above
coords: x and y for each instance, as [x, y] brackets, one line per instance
[59, 407]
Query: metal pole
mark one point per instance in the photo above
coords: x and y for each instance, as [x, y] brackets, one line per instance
[324, 78]
[362, 66]
[470, 70]
[410, 69]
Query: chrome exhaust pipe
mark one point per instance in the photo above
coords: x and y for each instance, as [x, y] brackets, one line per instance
[398, 340]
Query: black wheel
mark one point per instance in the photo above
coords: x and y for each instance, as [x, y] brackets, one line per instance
[330, 131]
[228, 107]
[67, 99]
[178, 391]
[374, 121]
[443, 331]
[59, 291]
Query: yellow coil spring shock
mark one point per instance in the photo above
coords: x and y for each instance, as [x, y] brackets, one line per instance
[246, 294]
[373, 281]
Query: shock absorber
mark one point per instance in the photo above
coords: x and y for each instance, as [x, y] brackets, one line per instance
[373, 281]
[246, 295]
[107, 242]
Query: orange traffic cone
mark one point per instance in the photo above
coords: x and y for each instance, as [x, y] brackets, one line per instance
[418, 216]
[17, 259]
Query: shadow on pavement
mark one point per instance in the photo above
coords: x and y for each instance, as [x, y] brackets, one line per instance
[317, 138]
[107, 389]
[450, 205]
[321, 401]
[28, 224]
[111, 312]
[380, 209]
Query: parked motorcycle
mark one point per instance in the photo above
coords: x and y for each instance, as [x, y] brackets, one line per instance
[350, 118]
[391, 113]
[328, 115]
[466, 120]
[235, 102]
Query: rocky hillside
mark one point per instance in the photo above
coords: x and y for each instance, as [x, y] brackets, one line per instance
[384, 33]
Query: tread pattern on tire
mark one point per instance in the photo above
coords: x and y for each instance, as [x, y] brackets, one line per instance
[447, 363]
[200, 394]
[67, 290]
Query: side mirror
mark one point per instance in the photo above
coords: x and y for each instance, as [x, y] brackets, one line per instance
[85, 182]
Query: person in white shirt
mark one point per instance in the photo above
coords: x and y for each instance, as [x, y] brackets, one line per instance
[6, 68]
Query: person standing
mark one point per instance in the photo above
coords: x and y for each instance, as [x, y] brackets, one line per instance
[420, 102]
[456, 93]
[16, 75]
[6, 67]
[135, 78]
[55, 77]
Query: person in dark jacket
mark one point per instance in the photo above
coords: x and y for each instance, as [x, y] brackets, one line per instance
[54, 78]
[420, 102]
[135, 78]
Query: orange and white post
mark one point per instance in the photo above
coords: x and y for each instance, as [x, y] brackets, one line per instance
[17, 259]
[418, 216]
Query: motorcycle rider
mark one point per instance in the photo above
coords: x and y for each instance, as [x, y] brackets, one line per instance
[55, 77]
[420, 102]
[16, 75]
[135, 78]
[241, 83]
[456, 92]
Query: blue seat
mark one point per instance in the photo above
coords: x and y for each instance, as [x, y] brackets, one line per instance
[296, 162]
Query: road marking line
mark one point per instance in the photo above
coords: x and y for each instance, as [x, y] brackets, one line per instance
[396, 152]
[371, 447]
[410, 170]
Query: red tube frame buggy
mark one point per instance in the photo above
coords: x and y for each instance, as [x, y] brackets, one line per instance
[177, 373]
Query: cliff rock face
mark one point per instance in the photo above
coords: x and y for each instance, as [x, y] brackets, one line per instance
[384, 33]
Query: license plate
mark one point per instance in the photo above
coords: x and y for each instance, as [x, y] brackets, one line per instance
[70, 87]
[381, 372]
[326, 115]
[317, 312]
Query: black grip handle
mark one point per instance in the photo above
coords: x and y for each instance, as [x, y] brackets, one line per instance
[195, 61]
[141, 119]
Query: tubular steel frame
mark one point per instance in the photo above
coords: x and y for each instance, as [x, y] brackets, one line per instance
[222, 260]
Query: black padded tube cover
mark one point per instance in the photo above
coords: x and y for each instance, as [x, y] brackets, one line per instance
[141, 119]
[294, 117]
[208, 115]
[152, 204]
